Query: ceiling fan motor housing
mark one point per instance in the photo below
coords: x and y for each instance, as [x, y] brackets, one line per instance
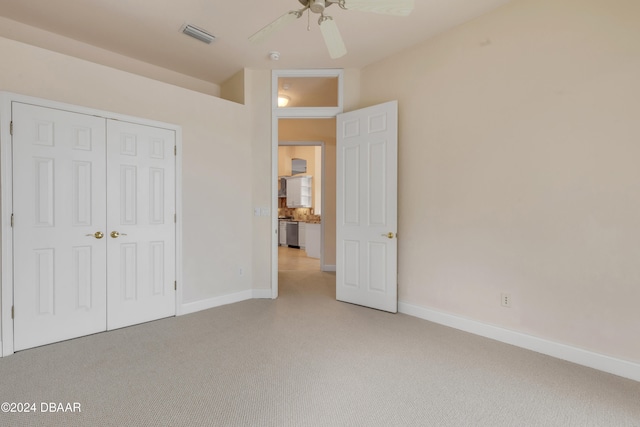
[316, 6]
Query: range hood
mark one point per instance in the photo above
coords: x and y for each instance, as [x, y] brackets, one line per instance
[298, 166]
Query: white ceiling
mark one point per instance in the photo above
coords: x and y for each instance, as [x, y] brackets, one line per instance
[149, 31]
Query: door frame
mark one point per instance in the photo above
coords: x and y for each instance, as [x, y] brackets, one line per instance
[6, 200]
[293, 113]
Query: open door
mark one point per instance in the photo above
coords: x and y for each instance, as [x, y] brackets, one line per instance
[366, 207]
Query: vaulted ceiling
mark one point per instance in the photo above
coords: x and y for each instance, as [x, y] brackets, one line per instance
[149, 31]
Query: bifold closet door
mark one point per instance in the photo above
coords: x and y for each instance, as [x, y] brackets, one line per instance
[59, 207]
[140, 223]
[94, 227]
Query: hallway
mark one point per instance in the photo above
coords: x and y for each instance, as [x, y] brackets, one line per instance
[296, 260]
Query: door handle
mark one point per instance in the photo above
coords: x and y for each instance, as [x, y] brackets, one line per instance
[97, 235]
[389, 235]
[116, 234]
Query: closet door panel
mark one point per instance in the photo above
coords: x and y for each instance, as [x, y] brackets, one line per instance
[59, 205]
[141, 227]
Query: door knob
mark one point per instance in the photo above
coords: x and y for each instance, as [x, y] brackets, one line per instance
[97, 234]
[389, 235]
[116, 234]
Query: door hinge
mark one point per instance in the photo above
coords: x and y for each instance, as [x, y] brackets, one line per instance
[13, 312]
[175, 218]
[11, 127]
[175, 150]
[175, 285]
[11, 220]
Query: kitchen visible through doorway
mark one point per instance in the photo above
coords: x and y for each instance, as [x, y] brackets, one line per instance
[300, 182]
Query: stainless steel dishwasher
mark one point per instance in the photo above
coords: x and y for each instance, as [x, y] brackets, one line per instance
[292, 234]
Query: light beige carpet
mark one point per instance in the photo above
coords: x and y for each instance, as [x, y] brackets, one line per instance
[307, 360]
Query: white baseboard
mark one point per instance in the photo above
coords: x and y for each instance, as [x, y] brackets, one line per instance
[261, 293]
[328, 268]
[582, 357]
[192, 307]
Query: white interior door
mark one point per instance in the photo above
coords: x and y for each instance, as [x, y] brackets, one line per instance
[141, 209]
[59, 204]
[366, 207]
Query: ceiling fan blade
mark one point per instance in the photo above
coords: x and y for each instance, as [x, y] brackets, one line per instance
[275, 26]
[385, 7]
[332, 37]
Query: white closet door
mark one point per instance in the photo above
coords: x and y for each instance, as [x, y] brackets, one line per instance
[59, 204]
[141, 208]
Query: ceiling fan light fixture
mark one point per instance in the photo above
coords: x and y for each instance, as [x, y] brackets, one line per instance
[328, 27]
[317, 6]
[198, 33]
[283, 100]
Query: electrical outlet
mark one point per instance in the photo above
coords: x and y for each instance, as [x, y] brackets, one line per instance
[505, 300]
[240, 271]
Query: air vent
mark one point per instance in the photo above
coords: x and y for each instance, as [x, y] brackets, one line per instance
[198, 33]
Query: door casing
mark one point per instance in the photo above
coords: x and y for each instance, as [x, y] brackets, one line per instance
[6, 197]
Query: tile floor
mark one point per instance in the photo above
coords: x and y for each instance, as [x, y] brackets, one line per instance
[296, 259]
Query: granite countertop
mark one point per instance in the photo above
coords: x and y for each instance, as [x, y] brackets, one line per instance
[309, 221]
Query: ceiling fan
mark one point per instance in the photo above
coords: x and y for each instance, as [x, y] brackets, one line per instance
[328, 27]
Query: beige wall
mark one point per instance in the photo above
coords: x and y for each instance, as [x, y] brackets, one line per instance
[319, 130]
[258, 99]
[284, 159]
[519, 149]
[233, 88]
[216, 154]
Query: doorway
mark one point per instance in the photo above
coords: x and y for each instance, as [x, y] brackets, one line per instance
[314, 99]
[300, 162]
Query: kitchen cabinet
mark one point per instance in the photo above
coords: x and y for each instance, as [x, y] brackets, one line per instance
[312, 240]
[282, 233]
[299, 192]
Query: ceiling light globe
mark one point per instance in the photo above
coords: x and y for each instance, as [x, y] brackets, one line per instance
[283, 100]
